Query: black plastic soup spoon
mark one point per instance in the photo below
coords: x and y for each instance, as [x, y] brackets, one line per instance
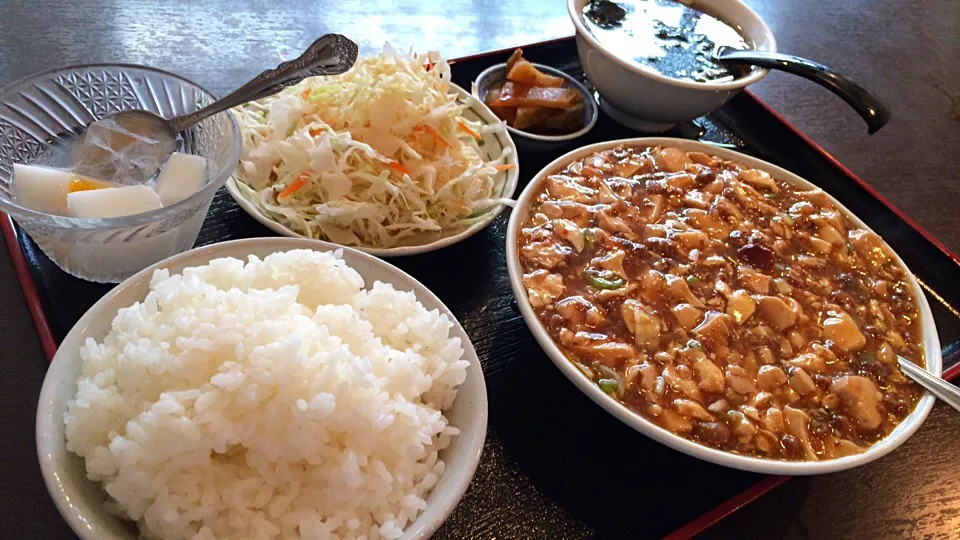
[867, 105]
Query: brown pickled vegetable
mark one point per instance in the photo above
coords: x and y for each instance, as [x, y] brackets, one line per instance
[728, 307]
[514, 94]
[524, 72]
[534, 101]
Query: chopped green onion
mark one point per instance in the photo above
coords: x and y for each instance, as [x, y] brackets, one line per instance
[867, 357]
[609, 281]
[849, 248]
[694, 344]
[588, 239]
[692, 279]
[608, 385]
[788, 219]
[772, 196]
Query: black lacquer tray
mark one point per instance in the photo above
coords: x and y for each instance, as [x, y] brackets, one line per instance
[556, 465]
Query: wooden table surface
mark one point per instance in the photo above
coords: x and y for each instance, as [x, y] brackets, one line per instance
[905, 51]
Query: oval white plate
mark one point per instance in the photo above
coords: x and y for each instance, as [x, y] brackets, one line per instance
[80, 501]
[494, 144]
[771, 466]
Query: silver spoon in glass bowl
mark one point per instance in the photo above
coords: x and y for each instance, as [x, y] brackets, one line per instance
[146, 139]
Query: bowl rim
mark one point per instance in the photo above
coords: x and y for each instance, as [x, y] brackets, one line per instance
[509, 190]
[471, 438]
[142, 218]
[898, 436]
[577, 85]
[574, 12]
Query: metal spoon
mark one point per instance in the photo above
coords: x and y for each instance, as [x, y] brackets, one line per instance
[151, 138]
[947, 392]
[867, 105]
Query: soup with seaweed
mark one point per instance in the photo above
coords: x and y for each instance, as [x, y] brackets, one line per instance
[675, 39]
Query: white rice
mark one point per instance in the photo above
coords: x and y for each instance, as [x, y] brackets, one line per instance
[272, 399]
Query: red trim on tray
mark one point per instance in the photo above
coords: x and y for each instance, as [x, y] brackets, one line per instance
[951, 373]
[853, 176]
[689, 530]
[726, 508]
[29, 287]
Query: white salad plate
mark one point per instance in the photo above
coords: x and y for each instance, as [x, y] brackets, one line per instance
[80, 500]
[898, 436]
[494, 144]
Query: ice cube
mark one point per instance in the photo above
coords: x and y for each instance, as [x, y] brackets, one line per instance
[41, 189]
[112, 202]
[112, 152]
[182, 176]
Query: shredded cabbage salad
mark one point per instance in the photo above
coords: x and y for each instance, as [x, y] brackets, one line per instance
[370, 157]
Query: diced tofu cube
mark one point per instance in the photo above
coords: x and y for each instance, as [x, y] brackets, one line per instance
[41, 188]
[182, 176]
[112, 202]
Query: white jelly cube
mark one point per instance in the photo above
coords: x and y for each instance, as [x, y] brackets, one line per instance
[112, 202]
[41, 188]
[182, 176]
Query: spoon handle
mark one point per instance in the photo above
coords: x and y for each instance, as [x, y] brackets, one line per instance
[867, 105]
[935, 385]
[331, 54]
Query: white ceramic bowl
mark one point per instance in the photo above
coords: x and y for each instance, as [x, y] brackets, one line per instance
[640, 97]
[494, 144]
[80, 501]
[900, 434]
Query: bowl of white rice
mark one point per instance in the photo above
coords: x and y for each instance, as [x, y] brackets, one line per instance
[263, 388]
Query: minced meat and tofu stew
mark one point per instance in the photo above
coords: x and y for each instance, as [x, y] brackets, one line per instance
[721, 304]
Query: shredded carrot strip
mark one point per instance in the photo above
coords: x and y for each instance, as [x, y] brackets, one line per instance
[506, 167]
[315, 132]
[398, 168]
[436, 134]
[292, 188]
[467, 129]
[429, 62]
[305, 94]
[295, 185]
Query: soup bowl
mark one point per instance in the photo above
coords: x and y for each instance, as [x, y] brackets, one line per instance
[640, 97]
[927, 335]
